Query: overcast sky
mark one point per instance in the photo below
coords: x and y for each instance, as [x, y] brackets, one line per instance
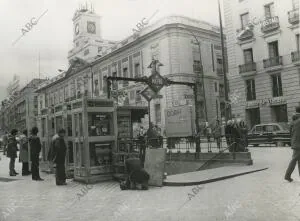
[52, 35]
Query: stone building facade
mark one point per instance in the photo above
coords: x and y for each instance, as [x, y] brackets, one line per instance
[263, 55]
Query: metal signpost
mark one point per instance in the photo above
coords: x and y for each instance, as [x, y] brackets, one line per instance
[155, 83]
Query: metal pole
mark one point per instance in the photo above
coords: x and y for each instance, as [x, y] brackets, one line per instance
[198, 147]
[224, 64]
[149, 113]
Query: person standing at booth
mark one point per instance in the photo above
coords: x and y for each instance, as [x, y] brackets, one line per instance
[12, 149]
[35, 149]
[24, 153]
[59, 156]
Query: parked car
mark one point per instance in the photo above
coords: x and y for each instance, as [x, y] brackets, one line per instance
[271, 133]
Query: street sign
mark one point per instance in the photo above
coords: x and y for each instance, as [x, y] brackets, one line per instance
[148, 94]
[156, 81]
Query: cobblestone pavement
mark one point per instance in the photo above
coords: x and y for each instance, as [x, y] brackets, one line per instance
[259, 197]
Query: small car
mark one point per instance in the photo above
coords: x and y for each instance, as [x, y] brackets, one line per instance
[270, 133]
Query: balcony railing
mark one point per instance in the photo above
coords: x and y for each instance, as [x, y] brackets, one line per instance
[295, 56]
[219, 71]
[247, 67]
[197, 68]
[270, 24]
[271, 62]
[294, 16]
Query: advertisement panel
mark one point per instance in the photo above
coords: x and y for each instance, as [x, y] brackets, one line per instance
[180, 121]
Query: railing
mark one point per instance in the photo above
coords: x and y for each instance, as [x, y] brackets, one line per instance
[295, 56]
[219, 71]
[294, 16]
[247, 67]
[270, 24]
[197, 68]
[271, 62]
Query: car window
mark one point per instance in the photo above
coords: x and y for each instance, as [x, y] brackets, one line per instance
[258, 129]
[268, 128]
[276, 128]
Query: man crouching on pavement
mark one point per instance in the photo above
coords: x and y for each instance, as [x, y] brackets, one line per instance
[136, 175]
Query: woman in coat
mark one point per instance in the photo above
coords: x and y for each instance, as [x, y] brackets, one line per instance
[24, 157]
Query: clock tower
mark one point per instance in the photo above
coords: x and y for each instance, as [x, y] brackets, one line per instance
[87, 40]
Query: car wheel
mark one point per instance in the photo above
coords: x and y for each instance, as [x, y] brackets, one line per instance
[279, 144]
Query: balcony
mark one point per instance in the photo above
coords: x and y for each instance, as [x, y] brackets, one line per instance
[296, 57]
[245, 34]
[272, 64]
[294, 16]
[270, 24]
[247, 68]
[197, 68]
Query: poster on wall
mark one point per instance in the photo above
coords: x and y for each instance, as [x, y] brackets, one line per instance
[180, 121]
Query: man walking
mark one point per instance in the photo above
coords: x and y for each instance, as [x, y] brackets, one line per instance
[59, 156]
[12, 148]
[24, 153]
[295, 141]
[35, 149]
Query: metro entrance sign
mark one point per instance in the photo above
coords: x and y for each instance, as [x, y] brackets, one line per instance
[156, 82]
[148, 94]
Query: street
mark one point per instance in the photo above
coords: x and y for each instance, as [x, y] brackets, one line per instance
[259, 196]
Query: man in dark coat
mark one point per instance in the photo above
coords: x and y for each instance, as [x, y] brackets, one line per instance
[295, 140]
[12, 148]
[136, 175]
[59, 156]
[35, 149]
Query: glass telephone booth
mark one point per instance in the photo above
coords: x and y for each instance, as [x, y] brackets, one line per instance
[94, 127]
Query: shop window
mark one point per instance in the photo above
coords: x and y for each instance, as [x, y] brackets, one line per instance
[277, 85]
[100, 124]
[250, 89]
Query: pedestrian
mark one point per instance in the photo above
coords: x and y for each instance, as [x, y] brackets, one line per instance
[244, 134]
[295, 143]
[228, 134]
[35, 149]
[4, 142]
[12, 148]
[59, 156]
[24, 153]
[217, 134]
[208, 133]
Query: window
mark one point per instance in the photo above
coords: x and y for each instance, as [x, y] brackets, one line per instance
[216, 87]
[244, 20]
[248, 56]
[157, 113]
[273, 49]
[137, 70]
[100, 124]
[125, 75]
[197, 66]
[277, 85]
[295, 4]
[269, 10]
[86, 52]
[258, 129]
[250, 87]
[221, 89]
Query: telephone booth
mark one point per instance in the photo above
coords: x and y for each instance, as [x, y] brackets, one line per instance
[127, 145]
[94, 126]
[51, 121]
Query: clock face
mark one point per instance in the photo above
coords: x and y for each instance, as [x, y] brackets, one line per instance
[91, 27]
[77, 29]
